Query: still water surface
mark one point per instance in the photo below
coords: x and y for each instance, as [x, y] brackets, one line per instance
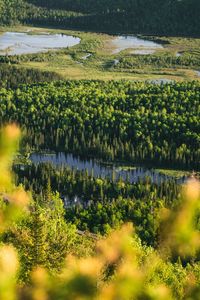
[140, 45]
[16, 43]
[98, 169]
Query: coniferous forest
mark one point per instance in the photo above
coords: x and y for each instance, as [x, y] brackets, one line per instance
[99, 150]
[162, 17]
[136, 122]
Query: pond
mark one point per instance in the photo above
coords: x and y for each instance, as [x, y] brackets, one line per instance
[101, 170]
[198, 73]
[17, 43]
[115, 62]
[161, 81]
[86, 56]
[121, 43]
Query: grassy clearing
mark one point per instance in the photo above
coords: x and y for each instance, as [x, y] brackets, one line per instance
[72, 63]
[174, 173]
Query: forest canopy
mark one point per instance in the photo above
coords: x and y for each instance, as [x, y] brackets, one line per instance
[99, 180]
[116, 120]
[158, 17]
[32, 257]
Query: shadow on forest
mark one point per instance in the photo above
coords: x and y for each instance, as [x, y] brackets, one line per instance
[142, 17]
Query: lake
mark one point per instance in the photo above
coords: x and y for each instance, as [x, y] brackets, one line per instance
[140, 45]
[17, 43]
[101, 170]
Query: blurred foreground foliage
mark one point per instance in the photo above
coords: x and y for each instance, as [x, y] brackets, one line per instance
[43, 258]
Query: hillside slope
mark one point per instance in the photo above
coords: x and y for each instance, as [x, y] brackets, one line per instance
[161, 17]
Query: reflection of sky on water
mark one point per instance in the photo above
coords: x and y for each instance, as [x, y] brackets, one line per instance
[16, 43]
[161, 81]
[121, 43]
[97, 169]
[198, 73]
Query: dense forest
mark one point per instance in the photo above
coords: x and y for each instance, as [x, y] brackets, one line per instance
[136, 122]
[158, 17]
[35, 239]
[12, 77]
[103, 204]
[118, 217]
